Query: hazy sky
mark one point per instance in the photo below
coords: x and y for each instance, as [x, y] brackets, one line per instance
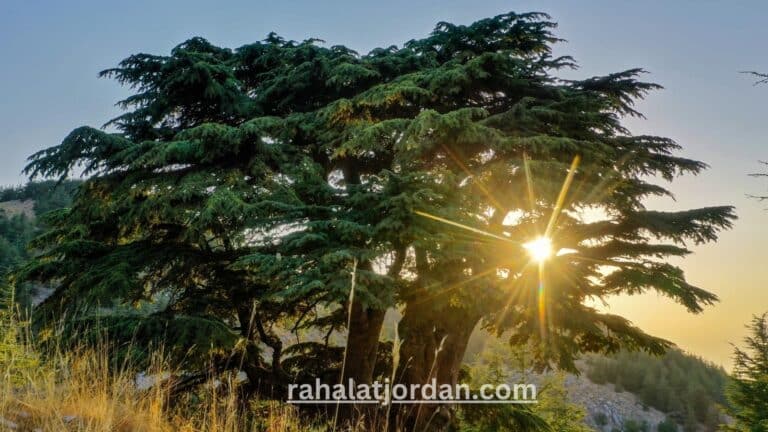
[51, 52]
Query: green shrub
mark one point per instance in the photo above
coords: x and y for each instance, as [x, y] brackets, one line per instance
[636, 426]
[666, 426]
[600, 419]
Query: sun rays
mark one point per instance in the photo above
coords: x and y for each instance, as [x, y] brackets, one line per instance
[540, 247]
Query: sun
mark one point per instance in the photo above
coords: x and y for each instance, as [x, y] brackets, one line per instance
[540, 249]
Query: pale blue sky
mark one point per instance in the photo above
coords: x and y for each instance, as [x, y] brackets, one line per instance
[51, 52]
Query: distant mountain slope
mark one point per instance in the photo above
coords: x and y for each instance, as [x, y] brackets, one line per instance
[609, 410]
[686, 388]
[20, 208]
[622, 392]
[43, 196]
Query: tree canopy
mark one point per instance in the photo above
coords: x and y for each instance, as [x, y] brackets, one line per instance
[243, 186]
[748, 391]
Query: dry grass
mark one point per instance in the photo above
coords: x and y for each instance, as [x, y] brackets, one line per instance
[84, 390]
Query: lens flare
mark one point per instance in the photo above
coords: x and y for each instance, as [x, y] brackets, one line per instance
[540, 249]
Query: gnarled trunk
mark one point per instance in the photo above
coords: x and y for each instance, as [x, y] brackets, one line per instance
[434, 342]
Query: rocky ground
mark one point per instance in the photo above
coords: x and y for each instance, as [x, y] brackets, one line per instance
[14, 207]
[616, 407]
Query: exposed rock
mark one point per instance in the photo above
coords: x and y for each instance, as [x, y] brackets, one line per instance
[8, 424]
[15, 207]
[600, 401]
[617, 407]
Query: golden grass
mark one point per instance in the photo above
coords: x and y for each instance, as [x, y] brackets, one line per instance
[84, 390]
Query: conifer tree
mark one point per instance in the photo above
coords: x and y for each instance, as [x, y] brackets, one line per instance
[245, 185]
[748, 391]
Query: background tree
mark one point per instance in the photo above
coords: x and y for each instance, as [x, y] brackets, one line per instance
[748, 392]
[760, 79]
[498, 363]
[243, 186]
[559, 413]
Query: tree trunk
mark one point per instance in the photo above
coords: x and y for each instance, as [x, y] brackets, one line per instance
[362, 346]
[365, 325]
[434, 342]
[364, 322]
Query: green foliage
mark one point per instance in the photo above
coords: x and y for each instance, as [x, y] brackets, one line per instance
[15, 232]
[502, 417]
[242, 184]
[18, 228]
[748, 391]
[492, 367]
[668, 425]
[688, 388]
[18, 359]
[600, 419]
[635, 426]
[199, 339]
[498, 363]
[555, 408]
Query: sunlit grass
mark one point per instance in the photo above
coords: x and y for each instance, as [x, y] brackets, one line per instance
[83, 389]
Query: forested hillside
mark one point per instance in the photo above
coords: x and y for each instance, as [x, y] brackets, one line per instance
[685, 387]
[46, 195]
[626, 391]
[15, 231]
[21, 211]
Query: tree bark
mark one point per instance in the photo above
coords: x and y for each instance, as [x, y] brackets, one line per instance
[433, 347]
[362, 346]
[365, 325]
[360, 357]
